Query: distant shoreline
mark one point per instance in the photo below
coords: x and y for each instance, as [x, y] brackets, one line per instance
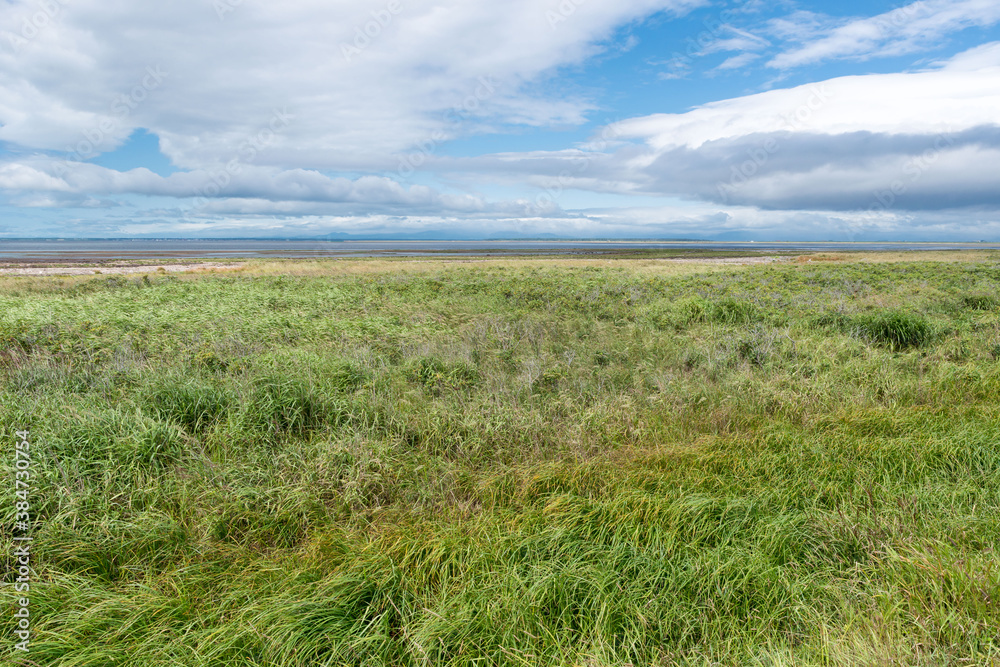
[378, 239]
[52, 251]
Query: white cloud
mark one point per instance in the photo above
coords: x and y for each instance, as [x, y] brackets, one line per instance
[738, 62]
[354, 100]
[17, 177]
[742, 41]
[255, 183]
[695, 221]
[906, 29]
[931, 139]
[961, 94]
[263, 105]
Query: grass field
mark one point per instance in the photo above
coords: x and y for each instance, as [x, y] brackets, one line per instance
[513, 462]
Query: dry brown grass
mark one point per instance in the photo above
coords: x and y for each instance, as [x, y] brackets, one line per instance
[820, 257]
[342, 267]
[419, 266]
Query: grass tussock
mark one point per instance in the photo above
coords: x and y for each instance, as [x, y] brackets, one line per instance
[572, 462]
[895, 329]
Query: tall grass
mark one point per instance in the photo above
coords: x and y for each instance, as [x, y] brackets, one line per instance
[511, 463]
[896, 329]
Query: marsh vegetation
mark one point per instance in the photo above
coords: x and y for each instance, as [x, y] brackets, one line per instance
[512, 462]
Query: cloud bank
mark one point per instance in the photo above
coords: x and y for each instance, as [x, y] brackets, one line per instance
[314, 115]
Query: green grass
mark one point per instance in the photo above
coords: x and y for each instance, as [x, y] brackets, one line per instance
[510, 463]
[895, 329]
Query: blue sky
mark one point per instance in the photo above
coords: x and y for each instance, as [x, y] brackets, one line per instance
[581, 118]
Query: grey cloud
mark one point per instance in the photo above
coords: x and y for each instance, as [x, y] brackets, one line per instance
[778, 170]
[835, 172]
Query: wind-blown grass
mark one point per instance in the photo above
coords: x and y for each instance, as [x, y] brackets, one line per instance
[896, 329]
[513, 463]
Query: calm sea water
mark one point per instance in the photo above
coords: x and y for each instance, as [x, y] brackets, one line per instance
[89, 250]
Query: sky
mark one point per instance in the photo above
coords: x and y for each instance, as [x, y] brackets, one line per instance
[788, 120]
